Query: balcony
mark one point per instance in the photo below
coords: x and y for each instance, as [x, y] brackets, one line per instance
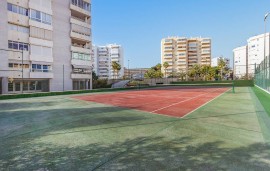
[206, 46]
[39, 58]
[17, 73]
[81, 76]
[80, 49]
[115, 60]
[80, 22]
[168, 42]
[18, 55]
[79, 36]
[18, 36]
[182, 49]
[18, 19]
[78, 62]
[41, 73]
[80, 10]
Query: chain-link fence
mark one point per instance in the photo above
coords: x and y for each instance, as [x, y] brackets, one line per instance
[262, 74]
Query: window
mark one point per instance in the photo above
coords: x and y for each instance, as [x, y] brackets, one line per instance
[82, 4]
[17, 9]
[35, 15]
[40, 68]
[17, 86]
[17, 45]
[41, 17]
[81, 56]
[10, 86]
[32, 85]
[25, 86]
[9, 7]
[45, 68]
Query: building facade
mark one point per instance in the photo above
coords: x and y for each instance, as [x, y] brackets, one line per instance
[240, 62]
[215, 61]
[103, 56]
[182, 53]
[45, 45]
[247, 57]
[135, 73]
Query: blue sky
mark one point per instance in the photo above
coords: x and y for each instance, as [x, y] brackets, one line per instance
[139, 25]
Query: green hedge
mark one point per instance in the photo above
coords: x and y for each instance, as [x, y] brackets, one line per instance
[237, 83]
[17, 96]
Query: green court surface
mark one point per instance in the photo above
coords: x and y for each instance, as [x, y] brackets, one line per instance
[62, 133]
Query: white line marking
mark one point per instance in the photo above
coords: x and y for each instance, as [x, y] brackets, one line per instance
[263, 89]
[183, 101]
[204, 104]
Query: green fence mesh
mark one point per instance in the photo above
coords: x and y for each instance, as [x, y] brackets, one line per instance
[262, 74]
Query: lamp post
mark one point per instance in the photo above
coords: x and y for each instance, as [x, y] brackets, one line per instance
[264, 61]
[128, 71]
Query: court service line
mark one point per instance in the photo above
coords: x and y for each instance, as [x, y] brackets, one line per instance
[205, 104]
[183, 101]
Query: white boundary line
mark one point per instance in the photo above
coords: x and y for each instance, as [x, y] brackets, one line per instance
[263, 89]
[204, 104]
[183, 101]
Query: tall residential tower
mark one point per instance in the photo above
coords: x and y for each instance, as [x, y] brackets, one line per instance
[45, 45]
[182, 53]
[103, 56]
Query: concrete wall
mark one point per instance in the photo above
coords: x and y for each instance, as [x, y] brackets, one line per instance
[62, 45]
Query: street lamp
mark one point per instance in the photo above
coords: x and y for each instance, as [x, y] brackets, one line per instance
[128, 71]
[264, 57]
[265, 21]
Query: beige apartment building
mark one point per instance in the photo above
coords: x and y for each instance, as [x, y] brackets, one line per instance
[182, 53]
[45, 45]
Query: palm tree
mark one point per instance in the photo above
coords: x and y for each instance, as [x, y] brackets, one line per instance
[166, 65]
[182, 74]
[196, 71]
[116, 68]
[205, 71]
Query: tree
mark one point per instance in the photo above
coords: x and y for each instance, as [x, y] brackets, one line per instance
[154, 72]
[166, 65]
[195, 71]
[116, 68]
[221, 65]
[182, 74]
[94, 76]
[206, 71]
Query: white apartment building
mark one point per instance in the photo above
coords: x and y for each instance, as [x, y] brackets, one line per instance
[240, 61]
[103, 56]
[182, 53]
[247, 57]
[215, 61]
[45, 45]
[256, 50]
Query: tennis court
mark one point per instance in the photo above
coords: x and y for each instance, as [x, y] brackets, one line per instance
[171, 101]
[169, 128]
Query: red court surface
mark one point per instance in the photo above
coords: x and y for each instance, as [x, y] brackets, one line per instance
[173, 101]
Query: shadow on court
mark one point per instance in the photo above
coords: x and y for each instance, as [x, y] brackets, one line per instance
[145, 153]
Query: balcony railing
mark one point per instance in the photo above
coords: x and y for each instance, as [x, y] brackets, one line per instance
[82, 4]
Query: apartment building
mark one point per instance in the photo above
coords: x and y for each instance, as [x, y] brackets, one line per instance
[182, 53]
[240, 61]
[215, 61]
[103, 56]
[247, 57]
[45, 45]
